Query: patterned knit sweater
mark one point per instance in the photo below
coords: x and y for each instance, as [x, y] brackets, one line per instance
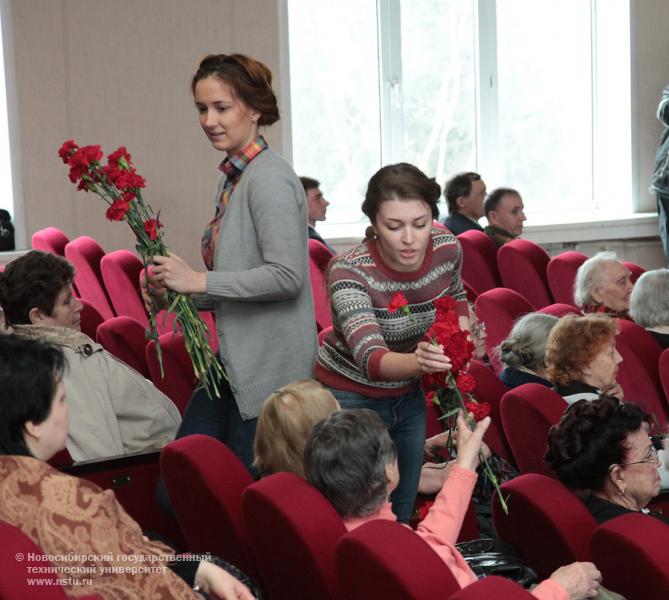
[361, 286]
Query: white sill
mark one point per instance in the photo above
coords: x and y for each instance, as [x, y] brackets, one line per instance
[547, 228]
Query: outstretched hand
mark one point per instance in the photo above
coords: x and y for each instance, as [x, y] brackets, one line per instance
[469, 442]
[431, 358]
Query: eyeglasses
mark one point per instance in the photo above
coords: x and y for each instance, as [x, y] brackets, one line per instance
[651, 458]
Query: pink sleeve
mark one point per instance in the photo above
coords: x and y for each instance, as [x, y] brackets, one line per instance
[444, 520]
[550, 590]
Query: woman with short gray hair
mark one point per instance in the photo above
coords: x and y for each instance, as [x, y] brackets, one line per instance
[649, 304]
[603, 285]
[522, 353]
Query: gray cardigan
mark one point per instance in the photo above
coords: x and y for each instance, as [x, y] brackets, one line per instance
[260, 285]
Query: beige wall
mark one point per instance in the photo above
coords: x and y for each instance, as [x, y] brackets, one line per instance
[117, 72]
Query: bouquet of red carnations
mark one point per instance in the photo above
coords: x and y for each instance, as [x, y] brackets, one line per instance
[120, 186]
[448, 389]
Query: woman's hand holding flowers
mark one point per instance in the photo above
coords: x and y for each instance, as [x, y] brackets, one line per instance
[174, 273]
[431, 358]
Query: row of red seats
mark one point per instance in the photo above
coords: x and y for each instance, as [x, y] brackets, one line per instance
[522, 266]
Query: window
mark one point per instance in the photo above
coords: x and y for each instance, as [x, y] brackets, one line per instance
[6, 192]
[533, 94]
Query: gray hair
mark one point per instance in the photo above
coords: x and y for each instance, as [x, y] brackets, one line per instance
[649, 303]
[589, 277]
[345, 459]
[526, 344]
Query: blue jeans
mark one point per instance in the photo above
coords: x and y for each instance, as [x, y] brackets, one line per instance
[220, 419]
[404, 417]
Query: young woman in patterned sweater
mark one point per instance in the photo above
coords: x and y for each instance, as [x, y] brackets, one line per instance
[373, 357]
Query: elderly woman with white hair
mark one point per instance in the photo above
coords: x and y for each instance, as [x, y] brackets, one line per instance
[603, 285]
[649, 304]
[522, 352]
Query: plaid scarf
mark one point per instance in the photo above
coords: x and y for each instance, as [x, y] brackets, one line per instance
[605, 310]
[233, 166]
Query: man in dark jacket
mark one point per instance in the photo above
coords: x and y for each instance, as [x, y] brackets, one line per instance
[464, 194]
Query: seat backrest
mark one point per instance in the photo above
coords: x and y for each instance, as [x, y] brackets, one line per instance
[631, 553]
[125, 338]
[528, 412]
[522, 267]
[479, 261]
[561, 273]
[634, 372]
[319, 258]
[635, 269]
[548, 524]
[178, 382]
[492, 587]
[490, 389]
[91, 319]
[398, 565]
[85, 254]
[15, 572]
[50, 239]
[471, 293]
[560, 310]
[293, 532]
[120, 273]
[205, 482]
[664, 371]
[498, 309]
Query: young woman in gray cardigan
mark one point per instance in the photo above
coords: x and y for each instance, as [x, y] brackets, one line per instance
[255, 249]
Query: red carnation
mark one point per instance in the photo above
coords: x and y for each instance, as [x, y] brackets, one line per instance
[120, 157]
[66, 150]
[423, 510]
[429, 396]
[398, 301]
[128, 179]
[117, 210]
[466, 383]
[479, 410]
[151, 227]
[444, 305]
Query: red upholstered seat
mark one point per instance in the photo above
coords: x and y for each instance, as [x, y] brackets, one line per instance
[664, 371]
[91, 319]
[498, 309]
[85, 254]
[638, 374]
[125, 338]
[120, 272]
[528, 412]
[383, 560]
[631, 552]
[560, 310]
[479, 261]
[635, 269]
[492, 587]
[471, 293]
[179, 381]
[205, 482]
[548, 524]
[561, 273]
[50, 239]
[490, 389]
[14, 573]
[319, 258]
[522, 267]
[293, 531]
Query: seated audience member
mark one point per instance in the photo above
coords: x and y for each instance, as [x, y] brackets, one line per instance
[504, 210]
[72, 519]
[602, 450]
[581, 357]
[317, 206]
[464, 194]
[114, 409]
[649, 304]
[603, 285]
[523, 352]
[284, 423]
[351, 459]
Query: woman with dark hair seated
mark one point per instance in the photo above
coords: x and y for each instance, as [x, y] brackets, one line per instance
[649, 304]
[84, 529]
[581, 357]
[351, 459]
[522, 353]
[602, 450]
